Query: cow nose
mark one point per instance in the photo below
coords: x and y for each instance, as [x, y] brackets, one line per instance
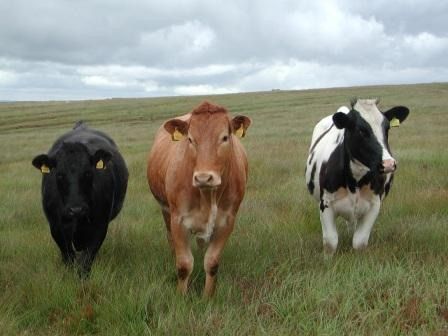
[75, 211]
[388, 166]
[206, 179]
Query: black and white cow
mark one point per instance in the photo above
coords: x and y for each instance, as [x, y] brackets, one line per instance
[84, 182]
[350, 167]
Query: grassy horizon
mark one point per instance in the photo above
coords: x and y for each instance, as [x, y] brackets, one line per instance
[273, 279]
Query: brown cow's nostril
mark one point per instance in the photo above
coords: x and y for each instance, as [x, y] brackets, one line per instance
[206, 179]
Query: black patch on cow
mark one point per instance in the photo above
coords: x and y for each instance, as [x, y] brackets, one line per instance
[334, 173]
[79, 200]
[322, 206]
[320, 138]
[311, 158]
[385, 126]
[338, 138]
[311, 182]
[361, 143]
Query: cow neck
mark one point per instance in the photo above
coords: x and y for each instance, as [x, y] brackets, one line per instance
[353, 181]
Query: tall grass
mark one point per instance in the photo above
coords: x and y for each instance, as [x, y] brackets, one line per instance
[273, 278]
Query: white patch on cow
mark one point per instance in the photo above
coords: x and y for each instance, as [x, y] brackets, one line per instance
[343, 109]
[358, 169]
[210, 226]
[201, 221]
[370, 113]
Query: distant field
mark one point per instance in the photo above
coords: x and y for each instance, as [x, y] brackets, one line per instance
[273, 279]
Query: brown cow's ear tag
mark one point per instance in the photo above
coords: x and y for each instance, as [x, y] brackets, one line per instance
[100, 164]
[240, 132]
[44, 169]
[177, 136]
[394, 122]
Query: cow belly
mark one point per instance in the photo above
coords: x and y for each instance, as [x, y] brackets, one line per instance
[352, 206]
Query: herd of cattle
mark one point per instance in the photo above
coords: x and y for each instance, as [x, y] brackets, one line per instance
[197, 171]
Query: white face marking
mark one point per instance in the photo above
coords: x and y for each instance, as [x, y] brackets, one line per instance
[369, 111]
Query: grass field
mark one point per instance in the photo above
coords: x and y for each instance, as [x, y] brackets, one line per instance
[273, 279]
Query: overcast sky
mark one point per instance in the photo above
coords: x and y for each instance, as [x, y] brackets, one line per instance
[84, 49]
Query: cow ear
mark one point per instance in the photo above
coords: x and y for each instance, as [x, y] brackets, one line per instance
[177, 128]
[342, 120]
[101, 158]
[44, 163]
[396, 115]
[240, 124]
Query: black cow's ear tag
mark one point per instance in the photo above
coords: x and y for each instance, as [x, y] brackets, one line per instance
[240, 132]
[100, 165]
[177, 136]
[44, 169]
[395, 122]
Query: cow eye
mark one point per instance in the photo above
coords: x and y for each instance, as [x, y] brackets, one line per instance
[225, 138]
[189, 140]
[60, 176]
[88, 174]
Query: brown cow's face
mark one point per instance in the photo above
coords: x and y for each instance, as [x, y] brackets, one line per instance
[209, 139]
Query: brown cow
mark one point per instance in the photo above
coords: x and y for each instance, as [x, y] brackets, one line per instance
[197, 171]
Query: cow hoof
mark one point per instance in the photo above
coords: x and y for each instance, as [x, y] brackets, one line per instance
[329, 251]
[359, 247]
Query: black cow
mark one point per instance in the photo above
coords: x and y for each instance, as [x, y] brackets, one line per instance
[84, 181]
[350, 167]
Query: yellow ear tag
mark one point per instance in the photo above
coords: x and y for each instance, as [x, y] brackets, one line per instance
[240, 132]
[177, 136]
[100, 164]
[44, 169]
[394, 122]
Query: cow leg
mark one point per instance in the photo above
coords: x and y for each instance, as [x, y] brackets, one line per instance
[90, 250]
[65, 246]
[167, 218]
[182, 250]
[213, 254]
[329, 232]
[365, 224]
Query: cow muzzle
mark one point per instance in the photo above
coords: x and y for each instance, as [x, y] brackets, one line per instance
[206, 179]
[76, 211]
[388, 166]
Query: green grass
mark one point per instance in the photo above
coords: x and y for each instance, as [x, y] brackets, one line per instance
[273, 278]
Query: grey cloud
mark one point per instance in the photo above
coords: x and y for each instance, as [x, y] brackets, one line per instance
[108, 48]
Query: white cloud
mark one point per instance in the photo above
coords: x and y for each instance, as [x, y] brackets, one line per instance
[187, 90]
[7, 78]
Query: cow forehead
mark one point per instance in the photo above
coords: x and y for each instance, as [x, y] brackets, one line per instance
[207, 123]
[369, 111]
[72, 157]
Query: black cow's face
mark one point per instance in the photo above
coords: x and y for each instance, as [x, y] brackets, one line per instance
[73, 170]
[367, 135]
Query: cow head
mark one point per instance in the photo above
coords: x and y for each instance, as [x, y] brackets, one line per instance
[73, 170]
[366, 134]
[209, 136]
